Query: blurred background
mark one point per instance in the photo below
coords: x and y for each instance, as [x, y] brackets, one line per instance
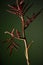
[34, 32]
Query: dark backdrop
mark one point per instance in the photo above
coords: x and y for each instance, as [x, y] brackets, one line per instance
[33, 32]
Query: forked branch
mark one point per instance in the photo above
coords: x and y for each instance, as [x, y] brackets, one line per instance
[20, 11]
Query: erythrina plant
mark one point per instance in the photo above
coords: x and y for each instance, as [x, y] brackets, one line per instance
[20, 10]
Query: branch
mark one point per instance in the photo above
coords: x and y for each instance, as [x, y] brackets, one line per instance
[17, 36]
[28, 46]
[19, 11]
[29, 20]
[13, 7]
[10, 33]
[12, 12]
[13, 45]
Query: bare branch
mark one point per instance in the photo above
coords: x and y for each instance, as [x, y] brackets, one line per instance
[13, 45]
[29, 20]
[10, 33]
[12, 12]
[30, 44]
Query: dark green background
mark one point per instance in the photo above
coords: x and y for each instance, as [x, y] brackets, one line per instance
[33, 32]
